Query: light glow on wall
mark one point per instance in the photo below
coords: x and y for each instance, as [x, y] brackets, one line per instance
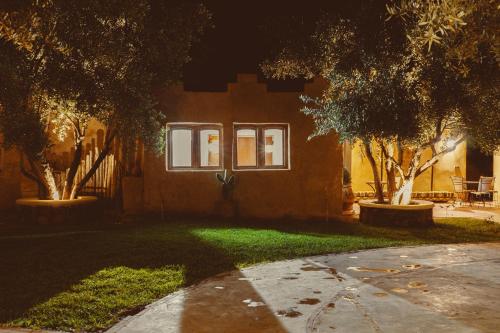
[451, 143]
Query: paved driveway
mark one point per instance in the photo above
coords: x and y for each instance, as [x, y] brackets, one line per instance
[442, 288]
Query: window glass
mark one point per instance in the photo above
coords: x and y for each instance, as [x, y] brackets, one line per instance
[209, 148]
[274, 153]
[181, 147]
[246, 147]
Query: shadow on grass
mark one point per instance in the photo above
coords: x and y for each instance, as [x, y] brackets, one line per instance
[86, 277]
[115, 265]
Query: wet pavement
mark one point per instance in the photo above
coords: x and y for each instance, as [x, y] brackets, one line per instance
[441, 288]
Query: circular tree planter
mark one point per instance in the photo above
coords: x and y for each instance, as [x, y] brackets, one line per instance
[417, 214]
[56, 211]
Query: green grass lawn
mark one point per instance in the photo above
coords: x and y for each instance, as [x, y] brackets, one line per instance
[87, 278]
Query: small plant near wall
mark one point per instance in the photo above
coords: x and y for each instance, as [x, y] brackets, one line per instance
[227, 182]
[346, 177]
[347, 194]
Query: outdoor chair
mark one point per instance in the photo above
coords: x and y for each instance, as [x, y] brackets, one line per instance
[484, 190]
[459, 189]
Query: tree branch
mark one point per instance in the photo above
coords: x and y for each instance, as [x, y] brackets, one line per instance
[29, 175]
[435, 158]
[379, 192]
[392, 159]
[400, 151]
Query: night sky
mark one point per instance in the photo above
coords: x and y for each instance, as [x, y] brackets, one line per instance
[245, 32]
[241, 38]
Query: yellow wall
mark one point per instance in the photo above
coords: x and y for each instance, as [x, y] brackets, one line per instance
[361, 171]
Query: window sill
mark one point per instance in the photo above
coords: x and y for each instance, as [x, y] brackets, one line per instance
[261, 169]
[195, 170]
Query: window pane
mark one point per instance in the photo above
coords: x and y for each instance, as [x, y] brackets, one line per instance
[246, 146]
[181, 147]
[274, 147]
[209, 148]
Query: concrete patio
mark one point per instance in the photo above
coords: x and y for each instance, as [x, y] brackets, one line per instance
[479, 212]
[441, 288]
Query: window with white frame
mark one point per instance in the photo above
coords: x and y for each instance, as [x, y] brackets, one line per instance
[194, 146]
[261, 146]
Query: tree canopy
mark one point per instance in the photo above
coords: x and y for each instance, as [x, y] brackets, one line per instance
[64, 62]
[400, 87]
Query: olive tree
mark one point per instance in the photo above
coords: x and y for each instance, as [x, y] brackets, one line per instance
[64, 62]
[397, 88]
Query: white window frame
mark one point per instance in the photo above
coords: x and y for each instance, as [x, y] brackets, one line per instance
[196, 127]
[287, 157]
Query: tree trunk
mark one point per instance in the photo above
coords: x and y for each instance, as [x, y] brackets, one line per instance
[390, 170]
[403, 195]
[379, 191]
[391, 180]
[102, 155]
[49, 180]
[70, 177]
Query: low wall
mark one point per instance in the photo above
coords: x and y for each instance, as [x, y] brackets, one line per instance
[417, 214]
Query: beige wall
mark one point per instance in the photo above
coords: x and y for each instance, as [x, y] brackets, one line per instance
[361, 170]
[310, 189]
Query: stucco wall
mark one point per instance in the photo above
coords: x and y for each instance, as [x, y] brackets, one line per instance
[310, 189]
[443, 170]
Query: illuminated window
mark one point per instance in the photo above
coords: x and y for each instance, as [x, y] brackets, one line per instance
[194, 146]
[246, 147]
[259, 146]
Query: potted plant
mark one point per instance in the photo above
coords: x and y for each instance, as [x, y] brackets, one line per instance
[347, 194]
[226, 206]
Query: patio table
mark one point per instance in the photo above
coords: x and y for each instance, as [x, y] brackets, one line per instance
[470, 185]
